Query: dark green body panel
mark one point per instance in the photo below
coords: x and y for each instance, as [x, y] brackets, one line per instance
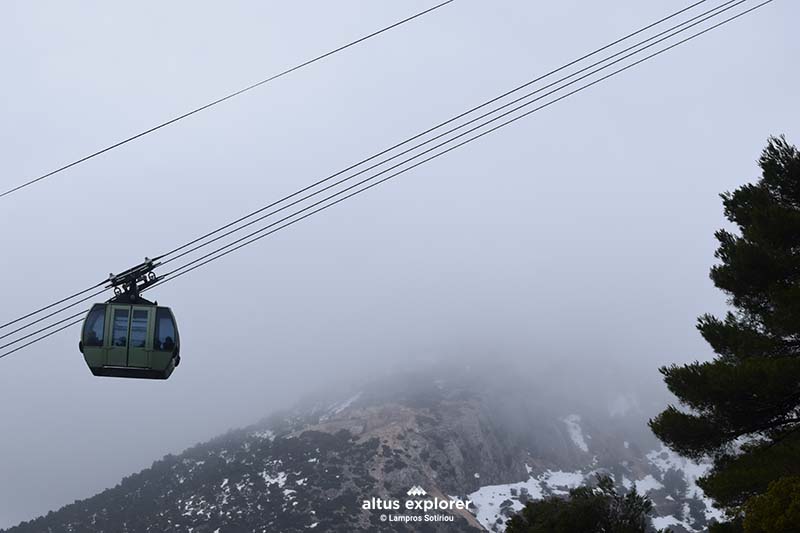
[127, 345]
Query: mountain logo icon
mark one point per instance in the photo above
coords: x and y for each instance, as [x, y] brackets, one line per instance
[417, 491]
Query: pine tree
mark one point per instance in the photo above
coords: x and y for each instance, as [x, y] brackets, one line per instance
[777, 510]
[742, 408]
[587, 510]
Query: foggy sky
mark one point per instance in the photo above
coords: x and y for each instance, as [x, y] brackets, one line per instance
[579, 238]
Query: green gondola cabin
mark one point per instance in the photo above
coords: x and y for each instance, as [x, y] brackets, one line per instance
[136, 339]
[128, 336]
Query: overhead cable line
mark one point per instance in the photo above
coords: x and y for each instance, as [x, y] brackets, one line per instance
[434, 128]
[243, 242]
[33, 333]
[271, 225]
[688, 25]
[211, 257]
[383, 152]
[54, 313]
[43, 337]
[50, 306]
[220, 100]
[192, 112]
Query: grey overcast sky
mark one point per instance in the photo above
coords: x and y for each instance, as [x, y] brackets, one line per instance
[580, 237]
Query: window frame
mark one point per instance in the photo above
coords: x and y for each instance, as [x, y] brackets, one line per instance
[97, 311]
[164, 313]
[112, 340]
[145, 336]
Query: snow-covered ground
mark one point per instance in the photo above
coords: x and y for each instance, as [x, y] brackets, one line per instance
[490, 501]
[493, 504]
[665, 460]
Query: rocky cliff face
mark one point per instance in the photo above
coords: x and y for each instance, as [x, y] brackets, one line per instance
[473, 449]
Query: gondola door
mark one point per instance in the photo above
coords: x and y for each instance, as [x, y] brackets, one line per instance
[141, 338]
[120, 318]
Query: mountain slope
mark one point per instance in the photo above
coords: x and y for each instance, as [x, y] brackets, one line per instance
[337, 466]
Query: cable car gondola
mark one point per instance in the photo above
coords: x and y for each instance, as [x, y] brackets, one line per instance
[129, 336]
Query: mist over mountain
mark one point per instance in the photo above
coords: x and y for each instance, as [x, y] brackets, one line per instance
[470, 434]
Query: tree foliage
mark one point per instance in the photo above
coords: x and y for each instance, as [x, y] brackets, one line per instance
[743, 407]
[775, 511]
[586, 510]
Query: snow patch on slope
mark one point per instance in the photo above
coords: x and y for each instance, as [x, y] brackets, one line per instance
[280, 478]
[661, 522]
[573, 423]
[648, 483]
[345, 404]
[559, 482]
[263, 435]
[489, 501]
[492, 503]
[337, 408]
[665, 460]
